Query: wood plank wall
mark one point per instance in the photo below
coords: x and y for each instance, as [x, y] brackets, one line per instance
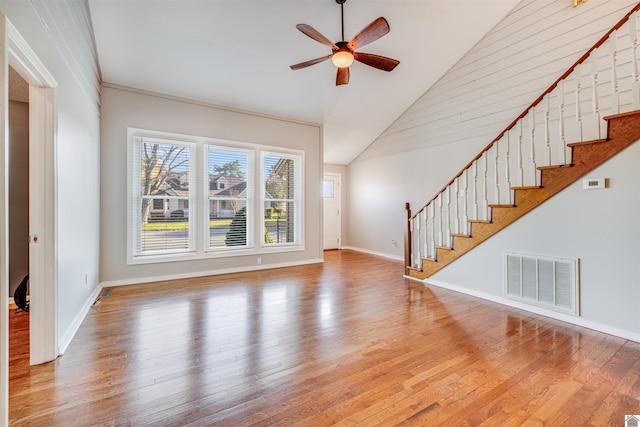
[508, 69]
[71, 31]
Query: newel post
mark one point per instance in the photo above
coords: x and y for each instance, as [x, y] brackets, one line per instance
[407, 239]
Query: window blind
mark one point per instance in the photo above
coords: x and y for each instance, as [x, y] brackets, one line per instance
[162, 194]
[282, 198]
[229, 193]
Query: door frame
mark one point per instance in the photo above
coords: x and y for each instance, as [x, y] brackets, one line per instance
[339, 199]
[15, 51]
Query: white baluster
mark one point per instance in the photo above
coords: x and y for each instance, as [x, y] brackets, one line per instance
[475, 190]
[416, 235]
[633, 35]
[615, 97]
[520, 155]
[547, 130]
[440, 224]
[432, 212]
[412, 229]
[496, 176]
[427, 227]
[465, 215]
[593, 59]
[508, 167]
[532, 122]
[456, 228]
[578, 107]
[416, 252]
[448, 234]
[423, 234]
[563, 140]
[485, 191]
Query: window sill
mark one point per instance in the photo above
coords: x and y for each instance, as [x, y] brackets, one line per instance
[192, 256]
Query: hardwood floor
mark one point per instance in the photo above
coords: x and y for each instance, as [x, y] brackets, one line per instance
[350, 342]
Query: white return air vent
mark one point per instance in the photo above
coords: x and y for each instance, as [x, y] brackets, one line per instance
[543, 281]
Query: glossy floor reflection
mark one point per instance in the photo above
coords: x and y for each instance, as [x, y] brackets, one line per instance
[349, 342]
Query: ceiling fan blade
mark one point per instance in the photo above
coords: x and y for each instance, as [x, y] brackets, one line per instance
[370, 33]
[342, 78]
[309, 62]
[376, 61]
[315, 34]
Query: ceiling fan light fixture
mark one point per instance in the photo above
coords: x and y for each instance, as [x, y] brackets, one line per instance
[342, 59]
[343, 53]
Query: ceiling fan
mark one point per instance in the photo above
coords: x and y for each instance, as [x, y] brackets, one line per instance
[343, 53]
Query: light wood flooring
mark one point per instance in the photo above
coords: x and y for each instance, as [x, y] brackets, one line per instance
[349, 342]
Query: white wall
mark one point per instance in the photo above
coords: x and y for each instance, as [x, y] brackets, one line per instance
[59, 33]
[122, 108]
[460, 115]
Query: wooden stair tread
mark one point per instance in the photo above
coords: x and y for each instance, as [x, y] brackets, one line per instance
[480, 221]
[593, 141]
[527, 187]
[621, 115]
[541, 168]
[466, 236]
[428, 259]
[502, 206]
[444, 248]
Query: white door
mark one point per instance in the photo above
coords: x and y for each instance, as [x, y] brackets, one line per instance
[332, 219]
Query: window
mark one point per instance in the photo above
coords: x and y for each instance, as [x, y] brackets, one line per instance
[162, 174]
[282, 201]
[229, 194]
[198, 197]
[327, 189]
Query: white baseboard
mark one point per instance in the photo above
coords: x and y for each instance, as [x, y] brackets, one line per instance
[574, 320]
[66, 338]
[382, 254]
[138, 280]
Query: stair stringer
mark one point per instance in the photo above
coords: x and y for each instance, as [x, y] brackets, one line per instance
[622, 131]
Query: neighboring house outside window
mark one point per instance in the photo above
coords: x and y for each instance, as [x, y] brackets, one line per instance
[250, 198]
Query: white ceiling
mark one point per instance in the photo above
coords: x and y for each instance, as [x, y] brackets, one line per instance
[236, 53]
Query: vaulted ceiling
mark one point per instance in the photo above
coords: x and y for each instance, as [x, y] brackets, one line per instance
[237, 54]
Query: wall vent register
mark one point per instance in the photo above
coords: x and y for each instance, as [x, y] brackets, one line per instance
[542, 281]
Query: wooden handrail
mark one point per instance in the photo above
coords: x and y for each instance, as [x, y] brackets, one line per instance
[566, 74]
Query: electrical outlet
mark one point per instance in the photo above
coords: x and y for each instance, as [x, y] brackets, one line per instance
[86, 278]
[259, 260]
[394, 243]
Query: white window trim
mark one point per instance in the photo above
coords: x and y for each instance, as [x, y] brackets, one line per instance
[199, 199]
[298, 196]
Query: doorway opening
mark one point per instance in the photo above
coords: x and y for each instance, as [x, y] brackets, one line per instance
[18, 186]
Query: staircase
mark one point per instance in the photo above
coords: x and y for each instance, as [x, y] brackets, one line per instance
[623, 130]
[506, 180]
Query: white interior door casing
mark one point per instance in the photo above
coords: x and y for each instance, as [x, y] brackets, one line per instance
[331, 193]
[43, 287]
[15, 51]
[4, 230]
